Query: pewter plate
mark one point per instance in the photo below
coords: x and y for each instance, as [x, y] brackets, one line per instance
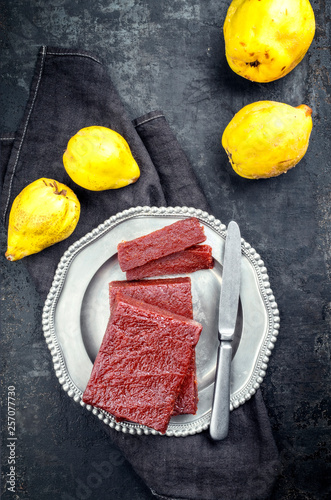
[77, 309]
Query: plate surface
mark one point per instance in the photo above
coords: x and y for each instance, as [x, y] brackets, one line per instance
[77, 309]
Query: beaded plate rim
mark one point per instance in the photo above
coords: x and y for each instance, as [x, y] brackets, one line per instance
[237, 399]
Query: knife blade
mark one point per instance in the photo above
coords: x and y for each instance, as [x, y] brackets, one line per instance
[228, 310]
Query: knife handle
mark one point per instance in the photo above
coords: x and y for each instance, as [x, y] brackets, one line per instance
[219, 423]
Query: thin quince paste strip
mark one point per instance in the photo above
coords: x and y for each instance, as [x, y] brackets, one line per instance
[186, 261]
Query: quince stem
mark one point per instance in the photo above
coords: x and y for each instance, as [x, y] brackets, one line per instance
[63, 192]
[308, 111]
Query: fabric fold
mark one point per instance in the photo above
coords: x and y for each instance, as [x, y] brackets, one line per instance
[178, 180]
[244, 466]
[71, 89]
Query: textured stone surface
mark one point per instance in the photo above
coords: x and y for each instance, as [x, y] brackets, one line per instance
[170, 55]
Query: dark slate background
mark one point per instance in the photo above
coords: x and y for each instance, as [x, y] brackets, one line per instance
[170, 55]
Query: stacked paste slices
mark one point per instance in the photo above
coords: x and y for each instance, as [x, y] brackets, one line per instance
[141, 365]
[173, 249]
[174, 295]
[145, 369]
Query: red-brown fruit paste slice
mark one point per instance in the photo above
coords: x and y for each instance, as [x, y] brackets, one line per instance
[143, 359]
[170, 239]
[174, 295]
[186, 261]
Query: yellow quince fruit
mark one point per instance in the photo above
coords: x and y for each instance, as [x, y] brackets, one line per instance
[98, 158]
[44, 213]
[266, 39]
[267, 138]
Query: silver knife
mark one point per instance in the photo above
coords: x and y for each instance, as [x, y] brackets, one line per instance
[228, 310]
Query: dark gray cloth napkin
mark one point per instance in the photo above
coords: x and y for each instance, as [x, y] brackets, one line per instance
[71, 90]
